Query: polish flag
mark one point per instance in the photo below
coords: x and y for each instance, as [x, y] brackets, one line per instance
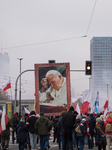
[7, 85]
[105, 105]
[106, 112]
[4, 120]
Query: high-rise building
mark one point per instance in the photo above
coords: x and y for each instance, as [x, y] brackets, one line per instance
[101, 79]
[4, 65]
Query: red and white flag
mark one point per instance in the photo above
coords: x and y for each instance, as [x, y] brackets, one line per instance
[4, 120]
[7, 85]
[105, 105]
[106, 112]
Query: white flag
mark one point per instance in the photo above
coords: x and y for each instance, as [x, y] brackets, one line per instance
[78, 109]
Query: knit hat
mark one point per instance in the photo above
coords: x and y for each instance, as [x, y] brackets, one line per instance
[88, 119]
[32, 113]
[41, 114]
[15, 114]
[71, 108]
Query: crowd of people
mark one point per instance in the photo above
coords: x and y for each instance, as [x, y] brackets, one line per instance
[70, 130]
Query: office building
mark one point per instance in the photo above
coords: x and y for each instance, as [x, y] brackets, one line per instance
[101, 79]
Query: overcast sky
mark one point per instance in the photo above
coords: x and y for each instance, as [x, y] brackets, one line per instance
[40, 30]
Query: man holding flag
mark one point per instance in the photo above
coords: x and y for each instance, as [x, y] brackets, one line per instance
[5, 130]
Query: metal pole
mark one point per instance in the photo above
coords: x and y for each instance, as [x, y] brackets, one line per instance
[107, 90]
[20, 89]
[16, 86]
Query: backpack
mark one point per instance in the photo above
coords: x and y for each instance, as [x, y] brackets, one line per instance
[78, 130]
[14, 122]
[108, 127]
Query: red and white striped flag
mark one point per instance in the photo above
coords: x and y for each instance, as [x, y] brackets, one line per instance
[7, 85]
[4, 120]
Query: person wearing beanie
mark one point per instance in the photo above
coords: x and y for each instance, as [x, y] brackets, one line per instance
[42, 127]
[32, 134]
[22, 131]
[101, 136]
[15, 121]
[69, 119]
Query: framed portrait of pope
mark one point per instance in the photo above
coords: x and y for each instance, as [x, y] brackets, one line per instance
[52, 88]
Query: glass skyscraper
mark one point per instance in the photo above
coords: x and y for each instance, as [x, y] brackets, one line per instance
[101, 79]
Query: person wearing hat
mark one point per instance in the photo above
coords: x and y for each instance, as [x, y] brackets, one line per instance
[15, 121]
[101, 136]
[68, 121]
[32, 134]
[43, 126]
[84, 127]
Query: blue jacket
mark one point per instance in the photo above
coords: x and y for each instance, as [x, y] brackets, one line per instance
[22, 131]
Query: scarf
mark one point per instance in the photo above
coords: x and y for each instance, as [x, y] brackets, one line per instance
[87, 132]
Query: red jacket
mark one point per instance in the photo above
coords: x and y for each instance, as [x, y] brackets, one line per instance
[108, 120]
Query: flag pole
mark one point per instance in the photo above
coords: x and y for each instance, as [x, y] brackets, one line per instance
[10, 89]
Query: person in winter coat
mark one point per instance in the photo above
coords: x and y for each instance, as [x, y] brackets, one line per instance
[60, 126]
[68, 124]
[55, 120]
[84, 127]
[15, 121]
[107, 123]
[100, 131]
[92, 125]
[22, 131]
[31, 123]
[78, 120]
[43, 126]
[5, 135]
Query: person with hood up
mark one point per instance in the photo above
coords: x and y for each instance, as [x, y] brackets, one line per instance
[43, 126]
[22, 131]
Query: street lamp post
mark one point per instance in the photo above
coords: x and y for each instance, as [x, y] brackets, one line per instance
[20, 89]
[107, 90]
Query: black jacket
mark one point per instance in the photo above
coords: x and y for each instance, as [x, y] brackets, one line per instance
[60, 125]
[31, 123]
[92, 125]
[22, 131]
[69, 120]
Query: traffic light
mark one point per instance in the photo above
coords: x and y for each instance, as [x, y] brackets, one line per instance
[51, 61]
[17, 103]
[88, 69]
